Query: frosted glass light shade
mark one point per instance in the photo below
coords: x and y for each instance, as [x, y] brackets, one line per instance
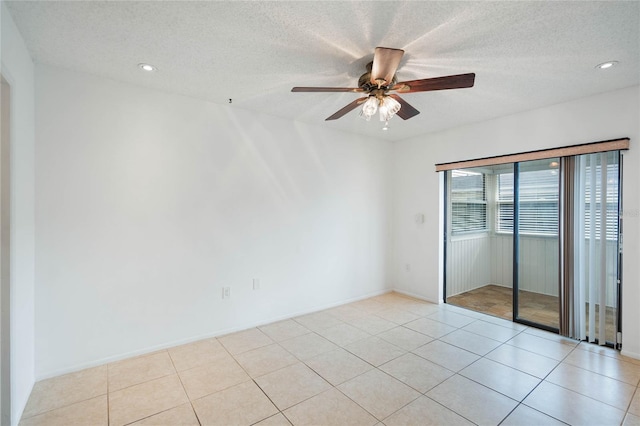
[369, 108]
[388, 108]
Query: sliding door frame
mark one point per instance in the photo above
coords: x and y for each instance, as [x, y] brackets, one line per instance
[618, 342]
[516, 241]
[445, 228]
[516, 256]
[619, 145]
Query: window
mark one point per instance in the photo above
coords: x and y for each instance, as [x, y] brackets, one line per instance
[468, 202]
[538, 202]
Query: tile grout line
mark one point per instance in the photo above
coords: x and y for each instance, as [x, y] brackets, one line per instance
[303, 362]
[421, 394]
[184, 389]
[630, 402]
[484, 357]
[270, 400]
[335, 387]
[542, 381]
[253, 379]
[579, 393]
[71, 403]
[560, 362]
[157, 378]
[519, 403]
[444, 406]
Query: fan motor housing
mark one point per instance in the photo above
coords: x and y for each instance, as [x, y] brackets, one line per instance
[364, 82]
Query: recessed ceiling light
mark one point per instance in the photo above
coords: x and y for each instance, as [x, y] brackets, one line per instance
[605, 65]
[147, 67]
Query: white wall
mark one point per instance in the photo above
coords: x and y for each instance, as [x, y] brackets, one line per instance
[417, 186]
[149, 203]
[539, 265]
[502, 260]
[17, 68]
[482, 259]
[469, 261]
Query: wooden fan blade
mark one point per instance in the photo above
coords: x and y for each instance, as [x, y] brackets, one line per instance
[327, 89]
[385, 64]
[353, 105]
[406, 110]
[459, 81]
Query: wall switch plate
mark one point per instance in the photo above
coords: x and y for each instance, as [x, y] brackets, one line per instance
[226, 292]
[256, 284]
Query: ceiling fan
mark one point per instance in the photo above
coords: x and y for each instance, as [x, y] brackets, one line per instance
[380, 79]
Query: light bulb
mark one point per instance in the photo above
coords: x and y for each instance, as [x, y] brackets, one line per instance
[369, 108]
[147, 67]
[388, 108]
[606, 65]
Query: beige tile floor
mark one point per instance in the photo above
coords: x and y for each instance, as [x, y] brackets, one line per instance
[389, 360]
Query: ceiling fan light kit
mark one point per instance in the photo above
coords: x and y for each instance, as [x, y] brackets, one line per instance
[380, 79]
[387, 106]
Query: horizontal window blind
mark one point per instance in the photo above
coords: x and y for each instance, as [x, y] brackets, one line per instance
[468, 202]
[504, 199]
[539, 213]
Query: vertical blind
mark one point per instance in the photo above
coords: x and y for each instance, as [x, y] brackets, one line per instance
[592, 227]
[611, 191]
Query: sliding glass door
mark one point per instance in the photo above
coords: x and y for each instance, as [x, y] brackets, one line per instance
[536, 243]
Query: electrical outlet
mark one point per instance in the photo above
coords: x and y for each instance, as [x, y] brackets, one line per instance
[407, 267]
[226, 292]
[256, 284]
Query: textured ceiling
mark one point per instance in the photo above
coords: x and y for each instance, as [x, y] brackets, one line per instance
[525, 54]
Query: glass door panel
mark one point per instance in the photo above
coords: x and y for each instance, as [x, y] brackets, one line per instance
[467, 237]
[536, 300]
[479, 249]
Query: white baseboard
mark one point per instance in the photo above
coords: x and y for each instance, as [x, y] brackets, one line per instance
[417, 296]
[630, 354]
[216, 333]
